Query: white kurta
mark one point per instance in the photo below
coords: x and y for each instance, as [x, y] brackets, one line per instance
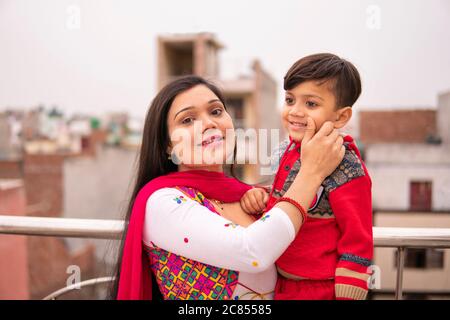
[182, 226]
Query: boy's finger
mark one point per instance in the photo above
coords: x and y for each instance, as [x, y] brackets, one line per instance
[261, 204]
[262, 198]
[310, 130]
[254, 202]
[266, 198]
[245, 205]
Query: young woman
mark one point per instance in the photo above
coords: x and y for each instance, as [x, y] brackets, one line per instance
[187, 236]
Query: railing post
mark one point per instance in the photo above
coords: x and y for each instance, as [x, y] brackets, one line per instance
[400, 265]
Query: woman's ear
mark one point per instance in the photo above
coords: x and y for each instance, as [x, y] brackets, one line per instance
[169, 149]
[343, 117]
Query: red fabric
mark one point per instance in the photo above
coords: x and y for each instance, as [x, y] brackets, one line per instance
[317, 250]
[352, 281]
[352, 266]
[135, 280]
[287, 289]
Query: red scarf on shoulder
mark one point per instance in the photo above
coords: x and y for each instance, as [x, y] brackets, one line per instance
[135, 282]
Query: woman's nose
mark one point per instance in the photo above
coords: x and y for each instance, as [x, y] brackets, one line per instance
[208, 123]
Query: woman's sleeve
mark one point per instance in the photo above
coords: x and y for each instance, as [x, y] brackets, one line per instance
[177, 224]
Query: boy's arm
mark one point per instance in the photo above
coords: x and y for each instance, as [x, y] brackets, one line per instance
[351, 203]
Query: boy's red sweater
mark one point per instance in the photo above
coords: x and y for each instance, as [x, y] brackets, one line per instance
[336, 240]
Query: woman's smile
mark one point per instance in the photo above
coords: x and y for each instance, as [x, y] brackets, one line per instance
[212, 141]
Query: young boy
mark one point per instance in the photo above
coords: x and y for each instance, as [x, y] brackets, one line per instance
[331, 255]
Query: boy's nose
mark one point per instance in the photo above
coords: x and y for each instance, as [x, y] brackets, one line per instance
[297, 111]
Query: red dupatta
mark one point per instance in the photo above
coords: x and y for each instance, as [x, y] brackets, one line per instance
[135, 282]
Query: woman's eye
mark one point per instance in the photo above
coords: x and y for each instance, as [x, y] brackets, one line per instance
[187, 121]
[311, 104]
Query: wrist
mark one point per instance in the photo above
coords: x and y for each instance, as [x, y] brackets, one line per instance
[309, 177]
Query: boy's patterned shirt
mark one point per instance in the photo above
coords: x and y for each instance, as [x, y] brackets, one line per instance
[349, 169]
[336, 241]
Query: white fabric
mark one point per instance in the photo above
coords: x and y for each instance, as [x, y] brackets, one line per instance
[189, 229]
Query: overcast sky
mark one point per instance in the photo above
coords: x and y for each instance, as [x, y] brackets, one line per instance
[107, 62]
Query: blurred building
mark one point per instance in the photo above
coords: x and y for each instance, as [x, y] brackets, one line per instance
[14, 282]
[250, 100]
[407, 153]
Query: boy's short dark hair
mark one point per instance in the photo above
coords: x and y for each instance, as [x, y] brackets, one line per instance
[346, 84]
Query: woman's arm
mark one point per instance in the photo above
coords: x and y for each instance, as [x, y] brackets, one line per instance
[189, 229]
[182, 226]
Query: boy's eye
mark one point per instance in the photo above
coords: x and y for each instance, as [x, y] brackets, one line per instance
[289, 100]
[311, 104]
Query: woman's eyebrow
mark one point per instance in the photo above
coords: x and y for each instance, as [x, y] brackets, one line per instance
[184, 109]
[191, 107]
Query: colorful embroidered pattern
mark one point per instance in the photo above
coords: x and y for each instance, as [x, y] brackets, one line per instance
[349, 169]
[265, 217]
[277, 154]
[231, 224]
[197, 196]
[180, 278]
[180, 199]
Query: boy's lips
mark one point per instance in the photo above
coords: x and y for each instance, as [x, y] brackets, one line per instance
[297, 125]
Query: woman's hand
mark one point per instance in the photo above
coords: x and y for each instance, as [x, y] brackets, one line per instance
[254, 200]
[322, 152]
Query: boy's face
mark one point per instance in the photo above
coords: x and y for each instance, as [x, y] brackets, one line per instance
[313, 99]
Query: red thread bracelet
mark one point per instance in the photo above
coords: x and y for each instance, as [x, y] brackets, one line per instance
[297, 205]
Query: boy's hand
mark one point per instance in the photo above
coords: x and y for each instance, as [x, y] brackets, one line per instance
[254, 200]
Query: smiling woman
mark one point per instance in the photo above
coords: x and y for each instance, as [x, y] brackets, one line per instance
[201, 130]
[186, 235]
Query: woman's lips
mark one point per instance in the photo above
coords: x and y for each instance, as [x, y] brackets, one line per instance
[213, 140]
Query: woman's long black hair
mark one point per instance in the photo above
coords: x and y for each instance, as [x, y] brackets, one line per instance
[153, 158]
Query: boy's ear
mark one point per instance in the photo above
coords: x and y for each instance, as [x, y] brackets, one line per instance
[343, 116]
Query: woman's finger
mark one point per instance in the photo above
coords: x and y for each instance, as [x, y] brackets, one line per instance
[325, 130]
[339, 141]
[342, 154]
[334, 135]
[309, 131]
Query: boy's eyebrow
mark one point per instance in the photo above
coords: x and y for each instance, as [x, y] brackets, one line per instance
[312, 96]
[306, 95]
[191, 107]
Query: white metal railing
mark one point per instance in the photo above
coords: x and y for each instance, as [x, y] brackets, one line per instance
[400, 238]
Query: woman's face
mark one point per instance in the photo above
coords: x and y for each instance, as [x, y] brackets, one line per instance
[201, 132]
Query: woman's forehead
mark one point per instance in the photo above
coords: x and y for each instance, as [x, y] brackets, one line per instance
[197, 96]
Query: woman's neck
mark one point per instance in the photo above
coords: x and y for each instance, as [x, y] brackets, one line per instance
[213, 168]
